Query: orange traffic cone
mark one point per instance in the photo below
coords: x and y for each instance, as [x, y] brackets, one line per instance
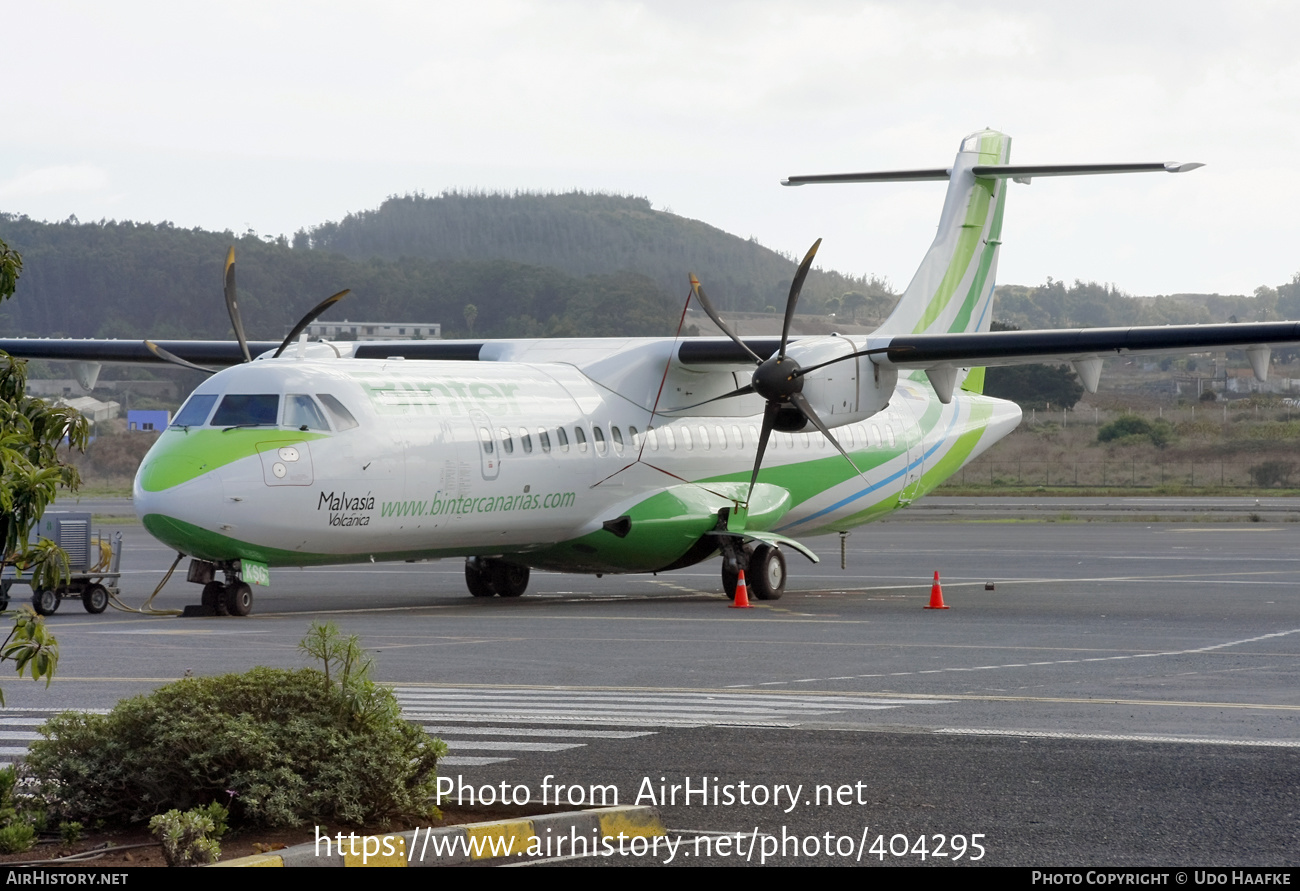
[936, 594]
[742, 593]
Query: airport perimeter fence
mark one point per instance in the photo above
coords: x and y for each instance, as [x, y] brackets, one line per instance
[1246, 419]
[1119, 474]
[1224, 413]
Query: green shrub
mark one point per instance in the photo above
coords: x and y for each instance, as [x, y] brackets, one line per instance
[1131, 429]
[285, 748]
[17, 837]
[70, 832]
[1272, 473]
[1123, 427]
[187, 838]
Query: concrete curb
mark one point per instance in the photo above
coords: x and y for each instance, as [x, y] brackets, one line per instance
[548, 835]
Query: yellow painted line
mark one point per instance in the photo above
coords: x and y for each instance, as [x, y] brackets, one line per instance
[616, 822]
[254, 860]
[500, 837]
[376, 850]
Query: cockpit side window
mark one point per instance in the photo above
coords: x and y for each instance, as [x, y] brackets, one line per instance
[245, 410]
[300, 411]
[343, 419]
[196, 410]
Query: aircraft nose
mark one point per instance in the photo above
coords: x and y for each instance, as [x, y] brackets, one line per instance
[178, 502]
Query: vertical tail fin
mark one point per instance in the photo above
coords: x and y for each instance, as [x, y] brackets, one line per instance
[952, 290]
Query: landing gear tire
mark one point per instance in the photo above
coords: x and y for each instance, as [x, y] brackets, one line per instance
[239, 599]
[213, 595]
[509, 579]
[95, 599]
[765, 576]
[45, 602]
[478, 578]
[730, 577]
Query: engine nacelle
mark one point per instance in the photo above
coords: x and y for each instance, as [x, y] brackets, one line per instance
[846, 392]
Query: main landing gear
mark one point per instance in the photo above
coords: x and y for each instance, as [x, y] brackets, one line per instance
[488, 577]
[764, 572]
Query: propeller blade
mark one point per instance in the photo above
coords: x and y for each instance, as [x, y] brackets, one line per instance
[770, 411]
[175, 359]
[800, 372]
[795, 287]
[804, 406]
[717, 319]
[743, 391]
[309, 318]
[232, 304]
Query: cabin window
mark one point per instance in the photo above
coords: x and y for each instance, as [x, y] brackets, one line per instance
[704, 437]
[196, 411]
[875, 435]
[485, 437]
[617, 436]
[889, 428]
[580, 437]
[737, 439]
[636, 437]
[241, 410]
[507, 444]
[753, 434]
[563, 438]
[807, 440]
[300, 411]
[544, 439]
[652, 438]
[343, 419]
[686, 439]
[526, 441]
[669, 440]
[598, 439]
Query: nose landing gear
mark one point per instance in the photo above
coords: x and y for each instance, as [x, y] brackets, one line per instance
[234, 597]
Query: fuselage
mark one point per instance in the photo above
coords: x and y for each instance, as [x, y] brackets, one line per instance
[294, 462]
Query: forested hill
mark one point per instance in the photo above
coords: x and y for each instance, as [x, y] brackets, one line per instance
[130, 280]
[580, 233]
[529, 265]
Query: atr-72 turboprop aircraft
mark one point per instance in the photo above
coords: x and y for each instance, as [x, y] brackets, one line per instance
[607, 455]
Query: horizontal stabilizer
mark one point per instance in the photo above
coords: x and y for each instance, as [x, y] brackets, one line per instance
[1022, 172]
[1025, 171]
[883, 176]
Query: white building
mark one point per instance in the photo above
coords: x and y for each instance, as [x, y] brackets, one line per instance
[346, 330]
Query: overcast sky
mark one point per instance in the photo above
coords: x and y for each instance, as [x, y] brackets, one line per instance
[277, 116]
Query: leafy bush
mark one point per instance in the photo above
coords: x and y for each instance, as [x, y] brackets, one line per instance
[286, 748]
[17, 837]
[188, 839]
[1131, 429]
[1272, 473]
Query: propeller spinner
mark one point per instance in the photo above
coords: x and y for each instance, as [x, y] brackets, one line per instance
[779, 378]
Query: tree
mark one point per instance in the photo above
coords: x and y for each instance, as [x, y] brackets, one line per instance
[471, 313]
[852, 301]
[1032, 386]
[31, 473]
